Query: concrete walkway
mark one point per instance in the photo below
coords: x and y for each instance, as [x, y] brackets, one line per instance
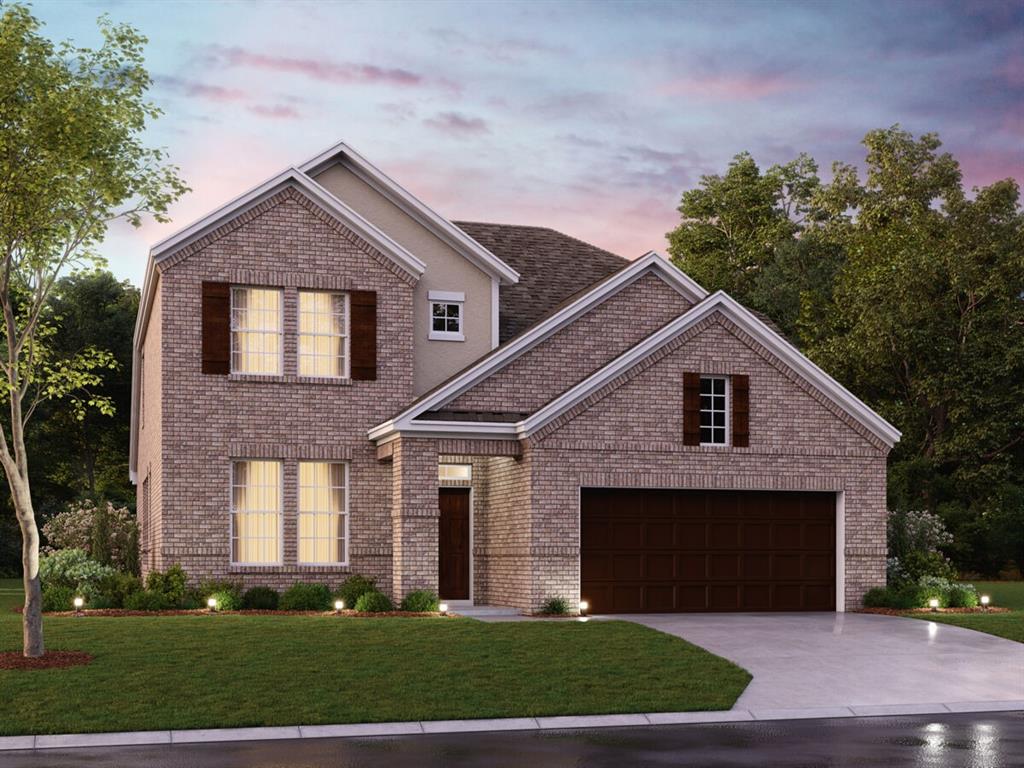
[853, 659]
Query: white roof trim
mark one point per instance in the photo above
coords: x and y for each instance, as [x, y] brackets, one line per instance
[719, 302]
[413, 206]
[650, 262]
[291, 177]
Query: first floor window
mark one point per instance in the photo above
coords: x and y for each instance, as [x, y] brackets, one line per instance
[256, 512]
[713, 410]
[323, 334]
[446, 315]
[323, 508]
[256, 331]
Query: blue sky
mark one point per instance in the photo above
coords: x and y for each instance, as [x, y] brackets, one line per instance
[588, 117]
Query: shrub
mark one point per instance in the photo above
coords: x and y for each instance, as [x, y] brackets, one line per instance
[226, 601]
[306, 597]
[260, 599]
[171, 584]
[147, 600]
[555, 606]
[227, 593]
[58, 598]
[901, 598]
[915, 531]
[353, 588]
[74, 569]
[374, 602]
[962, 596]
[115, 589]
[107, 534]
[420, 601]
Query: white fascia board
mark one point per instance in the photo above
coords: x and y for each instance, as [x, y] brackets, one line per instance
[724, 303]
[519, 346]
[413, 206]
[441, 429]
[293, 177]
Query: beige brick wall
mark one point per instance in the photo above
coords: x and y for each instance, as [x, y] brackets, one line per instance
[209, 420]
[414, 516]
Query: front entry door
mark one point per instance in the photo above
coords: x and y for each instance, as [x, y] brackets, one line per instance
[453, 544]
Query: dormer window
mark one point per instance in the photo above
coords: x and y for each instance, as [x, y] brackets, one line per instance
[446, 308]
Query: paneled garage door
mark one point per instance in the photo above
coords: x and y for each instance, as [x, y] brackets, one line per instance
[646, 550]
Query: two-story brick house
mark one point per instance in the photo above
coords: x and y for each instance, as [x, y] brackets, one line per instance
[331, 378]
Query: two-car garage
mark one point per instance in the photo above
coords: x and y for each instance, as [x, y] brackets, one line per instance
[658, 550]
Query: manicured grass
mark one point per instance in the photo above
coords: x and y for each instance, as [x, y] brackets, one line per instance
[1005, 594]
[10, 594]
[236, 670]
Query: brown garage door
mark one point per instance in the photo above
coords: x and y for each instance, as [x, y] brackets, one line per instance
[667, 551]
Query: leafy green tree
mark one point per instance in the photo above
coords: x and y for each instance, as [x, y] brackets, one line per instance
[71, 161]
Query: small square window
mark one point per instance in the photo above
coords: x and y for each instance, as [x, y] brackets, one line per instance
[714, 410]
[446, 316]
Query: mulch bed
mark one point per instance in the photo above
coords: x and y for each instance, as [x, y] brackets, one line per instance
[917, 611]
[114, 612]
[49, 660]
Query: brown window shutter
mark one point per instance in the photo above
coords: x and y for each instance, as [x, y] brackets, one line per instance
[740, 410]
[691, 409]
[363, 344]
[216, 328]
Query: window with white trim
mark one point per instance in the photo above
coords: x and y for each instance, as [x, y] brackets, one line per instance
[454, 471]
[446, 310]
[323, 513]
[714, 410]
[256, 512]
[323, 334]
[256, 330]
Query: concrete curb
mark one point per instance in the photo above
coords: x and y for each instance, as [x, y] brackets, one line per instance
[570, 722]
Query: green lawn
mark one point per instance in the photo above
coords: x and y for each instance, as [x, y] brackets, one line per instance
[1005, 594]
[232, 670]
[10, 594]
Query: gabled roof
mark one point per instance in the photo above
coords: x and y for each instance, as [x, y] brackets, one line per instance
[552, 267]
[719, 302]
[560, 318]
[342, 153]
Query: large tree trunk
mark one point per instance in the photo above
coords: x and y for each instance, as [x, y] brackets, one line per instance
[32, 615]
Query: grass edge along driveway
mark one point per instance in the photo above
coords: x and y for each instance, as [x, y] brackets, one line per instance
[1005, 594]
[233, 671]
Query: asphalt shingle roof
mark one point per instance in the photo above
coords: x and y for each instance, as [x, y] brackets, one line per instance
[552, 267]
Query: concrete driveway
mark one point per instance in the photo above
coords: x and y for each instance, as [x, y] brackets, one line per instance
[849, 659]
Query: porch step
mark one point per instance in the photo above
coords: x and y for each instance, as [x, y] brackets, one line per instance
[478, 611]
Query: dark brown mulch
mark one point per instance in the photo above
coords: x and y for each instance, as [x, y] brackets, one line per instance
[916, 611]
[49, 660]
[112, 612]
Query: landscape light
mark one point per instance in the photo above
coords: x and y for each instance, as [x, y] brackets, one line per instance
[584, 605]
[211, 603]
[339, 606]
[79, 602]
[443, 608]
[934, 604]
[984, 602]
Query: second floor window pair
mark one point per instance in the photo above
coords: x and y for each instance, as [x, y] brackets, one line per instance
[257, 332]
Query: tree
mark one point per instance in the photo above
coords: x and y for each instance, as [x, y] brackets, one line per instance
[71, 161]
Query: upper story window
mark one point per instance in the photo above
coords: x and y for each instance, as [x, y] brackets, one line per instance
[446, 310]
[256, 512]
[323, 334]
[714, 409]
[256, 331]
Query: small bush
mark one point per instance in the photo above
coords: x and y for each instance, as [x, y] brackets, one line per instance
[555, 606]
[306, 597]
[226, 601]
[353, 588]
[58, 598]
[260, 599]
[420, 601]
[878, 597]
[919, 565]
[74, 569]
[107, 534]
[962, 596]
[227, 593]
[901, 598]
[374, 602]
[171, 585]
[147, 600]
[115, 589]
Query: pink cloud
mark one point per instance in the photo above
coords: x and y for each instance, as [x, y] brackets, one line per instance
[730, 87]
[197, 90]
[275, 111]
[456, 123]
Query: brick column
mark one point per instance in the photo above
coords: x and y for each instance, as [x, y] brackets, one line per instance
[414, 516]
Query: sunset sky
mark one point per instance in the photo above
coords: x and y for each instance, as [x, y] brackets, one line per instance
[591, 118]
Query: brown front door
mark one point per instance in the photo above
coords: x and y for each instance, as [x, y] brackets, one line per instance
[453, 544]
[657, 551]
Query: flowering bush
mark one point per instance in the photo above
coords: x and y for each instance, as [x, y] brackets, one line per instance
[107, 534]
[915, 537]
[74, 570]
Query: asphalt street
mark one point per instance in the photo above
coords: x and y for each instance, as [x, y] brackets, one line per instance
[972, 741]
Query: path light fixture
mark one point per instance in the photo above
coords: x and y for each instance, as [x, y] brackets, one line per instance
[339, 606]
[443, 608]
[934, 604]
[79, 602]
[211, 603]
[584, 607]
[984, 602]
